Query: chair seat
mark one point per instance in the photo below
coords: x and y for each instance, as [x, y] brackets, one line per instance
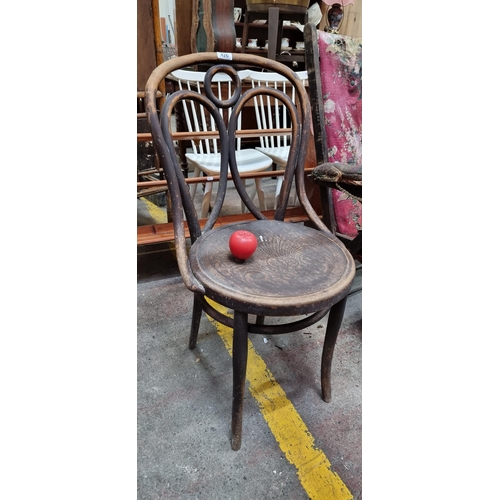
[279, 154]
[295, 269]
[248, 160]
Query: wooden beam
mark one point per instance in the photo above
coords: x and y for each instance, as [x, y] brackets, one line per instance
[151, 191]
[141, 94]
[160, 233]
[248, 133]
[215, 178]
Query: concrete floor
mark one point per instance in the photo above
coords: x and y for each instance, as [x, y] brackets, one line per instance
[184, 404]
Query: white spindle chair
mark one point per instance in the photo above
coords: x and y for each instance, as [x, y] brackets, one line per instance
[270, 114]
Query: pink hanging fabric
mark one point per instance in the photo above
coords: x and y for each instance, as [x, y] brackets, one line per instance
[340, 68]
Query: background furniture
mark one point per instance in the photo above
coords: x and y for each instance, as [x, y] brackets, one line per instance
[297, 269]
[334, 67]
[270, 114]
[274, 17]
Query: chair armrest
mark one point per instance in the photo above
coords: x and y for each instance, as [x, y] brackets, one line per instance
[329, 174]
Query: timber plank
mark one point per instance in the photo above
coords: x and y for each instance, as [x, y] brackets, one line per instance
[161, 233]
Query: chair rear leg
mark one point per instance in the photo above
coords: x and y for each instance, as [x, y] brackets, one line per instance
[279, 183]
[293, 196]
[251, 194]
[195, 321]
[240, 356]
[292, 200]
[205, 205]
[332, 330]
[196, 173]
[256, 188]
[260, 194]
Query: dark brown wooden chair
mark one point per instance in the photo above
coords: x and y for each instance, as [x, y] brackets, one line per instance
[302, 271]
[331, 57]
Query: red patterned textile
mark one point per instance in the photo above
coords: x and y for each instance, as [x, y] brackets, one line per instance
[340, 68]
[347, 213]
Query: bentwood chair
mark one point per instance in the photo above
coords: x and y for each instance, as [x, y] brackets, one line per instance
[297, 271]
[205, 155]
[270, 114]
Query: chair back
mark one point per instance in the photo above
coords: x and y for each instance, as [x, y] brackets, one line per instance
[270, 113]
[226, 133]
[195, 117]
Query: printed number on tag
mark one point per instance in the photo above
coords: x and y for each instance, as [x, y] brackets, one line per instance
[225, 55]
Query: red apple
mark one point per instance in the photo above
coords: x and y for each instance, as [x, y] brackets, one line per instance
[242, 244]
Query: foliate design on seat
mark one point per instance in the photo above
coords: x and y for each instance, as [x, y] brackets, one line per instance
[284, 252]
[341, 75]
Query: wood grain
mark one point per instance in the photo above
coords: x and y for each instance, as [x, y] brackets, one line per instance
[294, 269]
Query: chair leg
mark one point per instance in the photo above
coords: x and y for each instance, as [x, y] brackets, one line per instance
[260, 194]
[256, 188]
[195, 322]
[205, 205]
[292, 200]
[196, 173]
[293, 196]
[278, 189]
[240, 355]
[332, 329]
[251, 194]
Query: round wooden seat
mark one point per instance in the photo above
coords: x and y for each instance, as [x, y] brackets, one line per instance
[295, 269]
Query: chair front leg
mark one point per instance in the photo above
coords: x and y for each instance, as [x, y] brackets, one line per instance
[240, 356]
[332, 330]
[195, 321]
[207, 195]
[260, 194]
[279, 183]
[196, 173]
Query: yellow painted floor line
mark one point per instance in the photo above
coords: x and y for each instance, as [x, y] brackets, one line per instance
[158, 214]
[290, 431]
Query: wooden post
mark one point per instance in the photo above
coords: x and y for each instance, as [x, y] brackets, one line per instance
[218, 25]
[155, 9]
[183, 17]
[146, 57]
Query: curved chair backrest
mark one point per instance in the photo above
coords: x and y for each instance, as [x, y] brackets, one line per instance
[196, 120]
[164, 137]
